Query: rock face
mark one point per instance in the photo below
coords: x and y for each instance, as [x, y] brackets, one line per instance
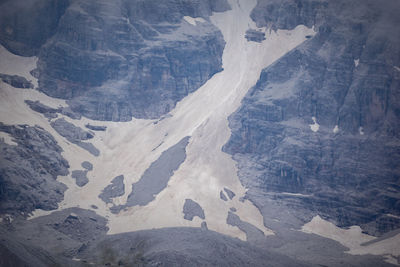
[25, 25]
[116, 60]
[319, 131]
[28, 171]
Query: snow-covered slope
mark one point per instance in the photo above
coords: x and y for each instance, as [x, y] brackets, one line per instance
[129, 148]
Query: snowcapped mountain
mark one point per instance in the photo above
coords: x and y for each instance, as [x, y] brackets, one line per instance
[199, 133]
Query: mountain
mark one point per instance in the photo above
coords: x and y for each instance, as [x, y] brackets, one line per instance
[199, 133]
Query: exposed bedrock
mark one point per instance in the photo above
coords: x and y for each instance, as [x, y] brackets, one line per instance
[75, 135]
[112, 61]
[191, 209]
[319, 132]
[28, 171]
[115, 189]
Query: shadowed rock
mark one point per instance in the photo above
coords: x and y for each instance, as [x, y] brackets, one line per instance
[230, 193]
[87, 165]
[156, 177]
[16, 81]
[255, 35]
[192, 209]
[80, 177]
[115, 189]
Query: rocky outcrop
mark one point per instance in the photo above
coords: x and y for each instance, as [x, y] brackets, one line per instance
[157, 176]
[191, 209]
[115, 189]
[130, 58]
[16, 81]
[319, 131]
[75, 135]
[28, 171]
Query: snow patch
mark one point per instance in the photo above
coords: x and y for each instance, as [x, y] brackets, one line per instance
[396, 68]
[193, 21]
[336, 129]
[356, 62]
[315, 126]
[361, 130]
[353, 238]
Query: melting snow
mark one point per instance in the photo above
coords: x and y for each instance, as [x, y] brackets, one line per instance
[315, 126]
[193, 21]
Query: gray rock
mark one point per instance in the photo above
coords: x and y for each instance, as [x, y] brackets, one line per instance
[138, 59]
[47, 111]
[28, 171]
[87, 165]
[115, 189]
[191, 209]
[25, 25]
[233, 209]
[16, 81]
[80, 177]
[230, 194]
[156, 177]
[255, 35]
[336, 175]
[204, 226]
[223, 196]
[75, 135]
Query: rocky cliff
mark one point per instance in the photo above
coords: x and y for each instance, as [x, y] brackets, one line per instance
[319, 131]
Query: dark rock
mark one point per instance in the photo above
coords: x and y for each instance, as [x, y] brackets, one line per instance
[80, 177]
[28, 171]
[25, 25]
[75, 134]
[96, 128]
[204, 225]
[16, 81]
[115, 189]
[344, 176]
[48, 112]
[192, 209]
[116, 60]
[255, 35]
[223, 196]
[230, 194]
[233, 209]
[156, 177]
[87, 165]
